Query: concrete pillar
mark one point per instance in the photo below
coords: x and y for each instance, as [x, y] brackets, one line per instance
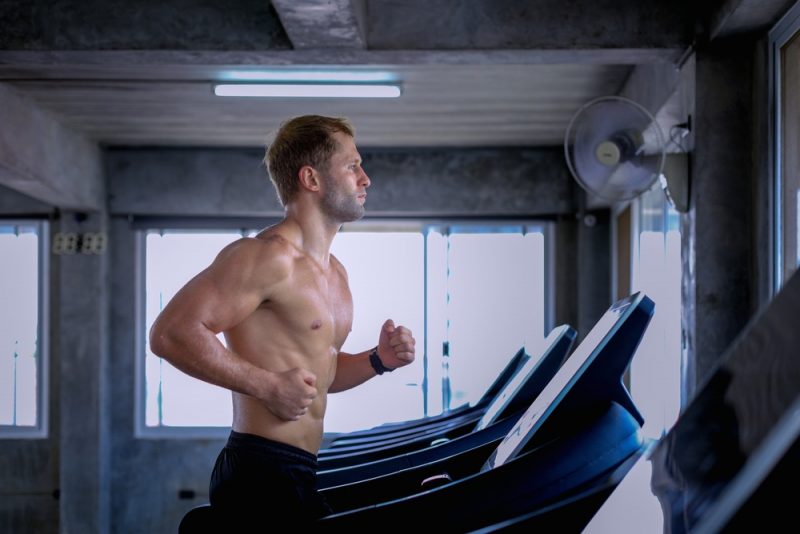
[583, 270]
[83, 353]
[593, 268]
[718, 252]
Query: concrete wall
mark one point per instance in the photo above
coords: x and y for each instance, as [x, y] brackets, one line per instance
[84, 385]
[723, 233]
[146, 474]
[15, 203]
[429, 182]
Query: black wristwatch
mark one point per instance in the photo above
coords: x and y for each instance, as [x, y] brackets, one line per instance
[377, 364]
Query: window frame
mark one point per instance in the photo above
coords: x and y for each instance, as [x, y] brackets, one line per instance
[144, 225]
[781, 33]
[42, 428]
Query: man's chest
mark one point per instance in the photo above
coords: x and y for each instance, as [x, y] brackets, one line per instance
[320, 306]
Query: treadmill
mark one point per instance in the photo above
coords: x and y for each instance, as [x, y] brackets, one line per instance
[519, 392]
[582, 429]
[730, 462]
[386, 429]
[496, 420]
[491, 426]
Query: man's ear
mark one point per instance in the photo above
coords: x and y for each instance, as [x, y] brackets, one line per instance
[309, 178]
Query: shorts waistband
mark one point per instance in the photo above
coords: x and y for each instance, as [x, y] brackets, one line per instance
[240, 440]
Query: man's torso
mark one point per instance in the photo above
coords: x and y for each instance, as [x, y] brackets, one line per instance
[303, 323]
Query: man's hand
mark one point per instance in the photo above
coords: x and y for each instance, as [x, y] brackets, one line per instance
[292, 393]
[395, 345]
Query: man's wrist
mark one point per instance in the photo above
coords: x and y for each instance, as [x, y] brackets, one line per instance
[377, 363]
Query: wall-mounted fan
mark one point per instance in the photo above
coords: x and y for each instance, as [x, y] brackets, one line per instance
[614, 148]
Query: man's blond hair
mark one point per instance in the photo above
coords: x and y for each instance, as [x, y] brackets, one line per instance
[300, 141]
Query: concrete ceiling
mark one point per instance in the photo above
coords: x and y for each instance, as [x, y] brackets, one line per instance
[476, 73]
[458, 105]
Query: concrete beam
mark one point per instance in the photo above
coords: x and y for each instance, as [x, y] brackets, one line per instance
[126, 25]
[323, 23]
[744, 16]
[45, 160]
[14, 203]
[667, 92]
[651, 85]
[535, 24]
[178, 64]
[389, 25]
[457, 182]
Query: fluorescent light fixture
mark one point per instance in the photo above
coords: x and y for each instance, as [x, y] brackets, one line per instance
[307, 75]
[310, 90]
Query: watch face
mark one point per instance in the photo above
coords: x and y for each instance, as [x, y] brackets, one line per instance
[377, 364]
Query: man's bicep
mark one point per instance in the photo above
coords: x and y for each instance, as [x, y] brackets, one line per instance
[239, 279]
[217, 303]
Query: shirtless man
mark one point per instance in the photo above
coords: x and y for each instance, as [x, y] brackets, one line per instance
[284, 306]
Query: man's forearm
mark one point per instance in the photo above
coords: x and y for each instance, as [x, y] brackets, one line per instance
[351, 370]
[200, 354]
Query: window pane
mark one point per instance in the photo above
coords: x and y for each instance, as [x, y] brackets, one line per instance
[656, 366]
[19, 315]
[495, 306]
[174, 398]
[386, 275]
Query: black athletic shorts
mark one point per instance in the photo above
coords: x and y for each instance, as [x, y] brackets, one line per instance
[258, 483]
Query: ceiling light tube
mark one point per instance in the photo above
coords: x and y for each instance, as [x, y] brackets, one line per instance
[307, 75]
[290, 90]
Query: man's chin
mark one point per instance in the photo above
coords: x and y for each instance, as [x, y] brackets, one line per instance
[344, 214]
[357, 214]
[356, 217]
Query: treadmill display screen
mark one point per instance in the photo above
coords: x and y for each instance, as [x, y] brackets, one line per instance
[559, 386]
[499, 404]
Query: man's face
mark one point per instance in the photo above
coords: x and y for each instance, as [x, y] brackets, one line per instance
[344, 182]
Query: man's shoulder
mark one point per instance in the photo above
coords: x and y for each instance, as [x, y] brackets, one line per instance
[271, 242]
[272, 251]
[338, 266]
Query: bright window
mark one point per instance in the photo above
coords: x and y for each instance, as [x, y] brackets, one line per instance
[472, 296]
[387, 280]
[655, 373]
[173, 398]
[493, 303]
[23, 372]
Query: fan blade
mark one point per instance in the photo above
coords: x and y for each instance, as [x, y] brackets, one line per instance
[614, 148]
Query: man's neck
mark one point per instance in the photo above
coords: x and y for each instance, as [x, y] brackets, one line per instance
[314, 231]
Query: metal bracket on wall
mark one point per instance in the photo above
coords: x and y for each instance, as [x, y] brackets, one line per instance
[675, 180]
